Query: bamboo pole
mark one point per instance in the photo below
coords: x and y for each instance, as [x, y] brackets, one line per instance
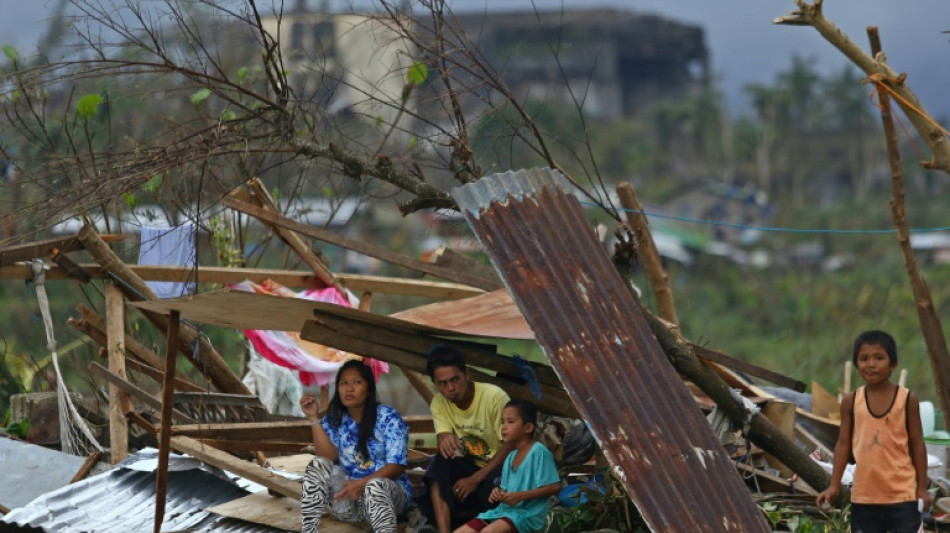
[926, 314]
[165, 434]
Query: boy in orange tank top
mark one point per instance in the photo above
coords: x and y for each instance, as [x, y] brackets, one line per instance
[880, 426]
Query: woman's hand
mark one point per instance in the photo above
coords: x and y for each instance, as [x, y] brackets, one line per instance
[352, 490]
[308, 404]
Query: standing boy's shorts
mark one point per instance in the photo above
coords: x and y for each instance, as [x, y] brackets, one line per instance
[889, 518]
[478, 524]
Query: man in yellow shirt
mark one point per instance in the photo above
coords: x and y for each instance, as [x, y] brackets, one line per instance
[467, 419]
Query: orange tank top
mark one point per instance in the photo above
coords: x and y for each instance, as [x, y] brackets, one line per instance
[883, 471]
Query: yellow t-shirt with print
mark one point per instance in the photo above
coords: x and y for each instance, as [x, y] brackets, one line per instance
[479, 426]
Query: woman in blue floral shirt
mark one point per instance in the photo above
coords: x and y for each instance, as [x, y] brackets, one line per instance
[369, 442]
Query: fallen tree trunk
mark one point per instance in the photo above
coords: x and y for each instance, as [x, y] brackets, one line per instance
[761, 431]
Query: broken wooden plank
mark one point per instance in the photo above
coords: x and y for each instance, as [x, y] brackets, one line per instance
[39, 249]
[359, 246]
[207, 360]
[135, 392]
[226, 461]
[158, 375]
[289, 431]
[253, 192]
[772, 483]
[823, 403]
[244, 446]
[422, 288]
[748, 368]
[449, 258]
[421, 342]
[86, 467]
[262, 508]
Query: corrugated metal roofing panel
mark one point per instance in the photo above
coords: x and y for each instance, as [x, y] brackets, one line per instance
[30, 470]
[123, 500]
[596, 338]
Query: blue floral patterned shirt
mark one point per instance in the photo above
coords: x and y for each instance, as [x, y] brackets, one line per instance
[389, 445]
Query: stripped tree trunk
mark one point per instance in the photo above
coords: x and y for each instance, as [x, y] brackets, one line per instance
[929, 321]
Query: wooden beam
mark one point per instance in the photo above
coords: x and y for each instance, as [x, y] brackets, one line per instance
[159, 376]
[164, 432]
[244, 446]
[135, 392]
[86, 467]
[255, 193]
[208, 360]
[554, 401]
[119, 402]
[438, 290]
[289, 431]
[420, 343]
[223, 460]
[145, 360]
[449, 258]
[748, 368]
[361, 247]
[33, 250]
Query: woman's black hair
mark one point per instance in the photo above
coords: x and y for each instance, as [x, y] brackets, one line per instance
[336, 409]
[440, 355]
[526, 410]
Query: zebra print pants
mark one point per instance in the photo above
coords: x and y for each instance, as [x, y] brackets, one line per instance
[381, 504]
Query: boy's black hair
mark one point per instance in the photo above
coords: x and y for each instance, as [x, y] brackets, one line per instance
[441, 355]
[526, 410]
[336, 408]
[875, 336]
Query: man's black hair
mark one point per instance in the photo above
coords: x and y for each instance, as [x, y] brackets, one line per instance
[875, 336]
[442, 355]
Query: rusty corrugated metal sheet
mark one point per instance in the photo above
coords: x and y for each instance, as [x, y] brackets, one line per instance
[644, 418]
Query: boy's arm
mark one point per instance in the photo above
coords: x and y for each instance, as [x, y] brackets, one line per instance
[918, 449]
[842, 453]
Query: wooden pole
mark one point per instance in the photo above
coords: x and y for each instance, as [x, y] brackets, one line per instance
[119, 402]
[926, 314]
[659, 279]
[362, 247]
[165, 434]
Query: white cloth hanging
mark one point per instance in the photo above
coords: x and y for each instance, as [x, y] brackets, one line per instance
[169, 246]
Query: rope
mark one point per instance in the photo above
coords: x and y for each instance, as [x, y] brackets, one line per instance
[69, 419]
[878, 80]
[776, 228]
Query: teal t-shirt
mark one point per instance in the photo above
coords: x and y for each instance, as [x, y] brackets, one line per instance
[537, 470]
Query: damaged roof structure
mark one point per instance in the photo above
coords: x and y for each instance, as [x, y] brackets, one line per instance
[609, 363]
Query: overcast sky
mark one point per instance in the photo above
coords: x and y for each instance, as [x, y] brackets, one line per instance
[745, 46]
